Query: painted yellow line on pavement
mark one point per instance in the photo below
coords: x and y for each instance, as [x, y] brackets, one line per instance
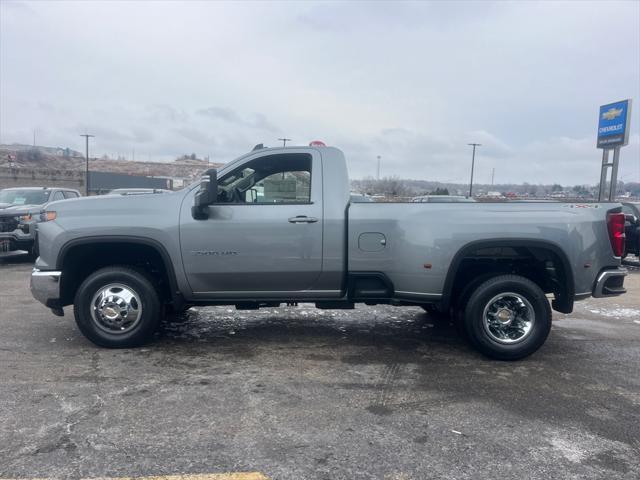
[200, 476]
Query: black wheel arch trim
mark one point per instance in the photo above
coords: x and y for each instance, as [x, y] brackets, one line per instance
[562, 305]
[176, 296]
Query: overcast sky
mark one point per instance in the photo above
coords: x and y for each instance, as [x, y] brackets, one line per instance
[412, 82]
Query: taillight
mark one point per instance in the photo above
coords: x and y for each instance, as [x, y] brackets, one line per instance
[615, 224]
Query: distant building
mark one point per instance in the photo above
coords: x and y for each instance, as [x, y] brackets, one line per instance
[103, 182]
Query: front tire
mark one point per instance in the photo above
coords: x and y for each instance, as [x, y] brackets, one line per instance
[507, 317]
[117, 307]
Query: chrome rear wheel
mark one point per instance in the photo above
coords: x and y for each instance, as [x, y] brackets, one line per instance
[508, 318]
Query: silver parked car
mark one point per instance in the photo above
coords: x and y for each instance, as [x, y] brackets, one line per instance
[442, 199]
[360, 198]
[137, 191]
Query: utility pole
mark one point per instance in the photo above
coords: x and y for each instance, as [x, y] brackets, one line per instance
[473, 162]
[379, 157]
[86, 183]
[34, 137]
[284, 141]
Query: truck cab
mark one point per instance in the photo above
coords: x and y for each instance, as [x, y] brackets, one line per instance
[275, 229]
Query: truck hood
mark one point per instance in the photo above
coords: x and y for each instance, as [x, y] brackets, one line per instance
[117, 205]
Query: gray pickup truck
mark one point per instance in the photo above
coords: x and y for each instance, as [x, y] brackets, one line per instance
[19, 212]
[277, 226]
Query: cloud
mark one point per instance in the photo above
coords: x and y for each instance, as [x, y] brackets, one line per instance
[161, 113]
[225, 114]
[260, 121]
[257, 120]
[18, 8]
[413, 82]
[335, 17]
[142, 135]
[410, 154]
[195, 135]
[490, 144]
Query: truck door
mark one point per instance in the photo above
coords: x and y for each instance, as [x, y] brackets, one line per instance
[264, 234]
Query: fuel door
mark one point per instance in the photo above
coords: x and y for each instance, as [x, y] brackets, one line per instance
[372, 242]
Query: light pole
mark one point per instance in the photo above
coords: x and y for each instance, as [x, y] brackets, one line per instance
[473, 162]
[284, 141]
[379, 157]
[86, 136]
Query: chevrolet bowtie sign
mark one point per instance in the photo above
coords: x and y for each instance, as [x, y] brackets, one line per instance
[613, 124]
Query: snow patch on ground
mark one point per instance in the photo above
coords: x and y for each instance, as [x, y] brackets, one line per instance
[632, 313]
[580, 447]
[568, 449]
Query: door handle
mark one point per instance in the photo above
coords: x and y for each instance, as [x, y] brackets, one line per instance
[303, 219]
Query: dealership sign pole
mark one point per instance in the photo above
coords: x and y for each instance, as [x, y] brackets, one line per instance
[613, 133]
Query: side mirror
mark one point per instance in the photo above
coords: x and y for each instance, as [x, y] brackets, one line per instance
[207, 194]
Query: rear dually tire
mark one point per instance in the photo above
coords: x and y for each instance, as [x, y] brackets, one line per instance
[507, 317]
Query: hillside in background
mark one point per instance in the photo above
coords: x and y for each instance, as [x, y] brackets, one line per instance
[402, 187]
[59, 159]
[187, 168]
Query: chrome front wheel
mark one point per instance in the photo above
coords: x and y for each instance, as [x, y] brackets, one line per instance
[116, 308]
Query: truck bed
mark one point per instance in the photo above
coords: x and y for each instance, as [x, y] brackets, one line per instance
[422, 240]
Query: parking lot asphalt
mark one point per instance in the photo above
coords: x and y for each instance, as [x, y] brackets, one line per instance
[300, 393]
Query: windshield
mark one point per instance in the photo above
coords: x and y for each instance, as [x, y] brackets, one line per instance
[24, 197]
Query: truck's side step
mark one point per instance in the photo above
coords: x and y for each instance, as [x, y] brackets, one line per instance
[336, 304]
[256, 305]
[369, 285]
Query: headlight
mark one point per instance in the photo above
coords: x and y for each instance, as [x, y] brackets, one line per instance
[25, 218]
[47, 216]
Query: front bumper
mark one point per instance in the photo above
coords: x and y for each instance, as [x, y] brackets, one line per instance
[22, 238]
[45, 287]
[610, 283]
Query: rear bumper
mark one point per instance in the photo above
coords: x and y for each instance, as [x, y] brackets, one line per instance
[45, 287]
[610, 283]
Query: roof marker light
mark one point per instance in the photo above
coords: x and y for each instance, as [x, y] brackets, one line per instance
[317, 143]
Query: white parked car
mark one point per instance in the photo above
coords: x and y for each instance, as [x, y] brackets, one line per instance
[442, 199]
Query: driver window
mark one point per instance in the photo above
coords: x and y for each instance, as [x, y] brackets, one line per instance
[274, 179]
